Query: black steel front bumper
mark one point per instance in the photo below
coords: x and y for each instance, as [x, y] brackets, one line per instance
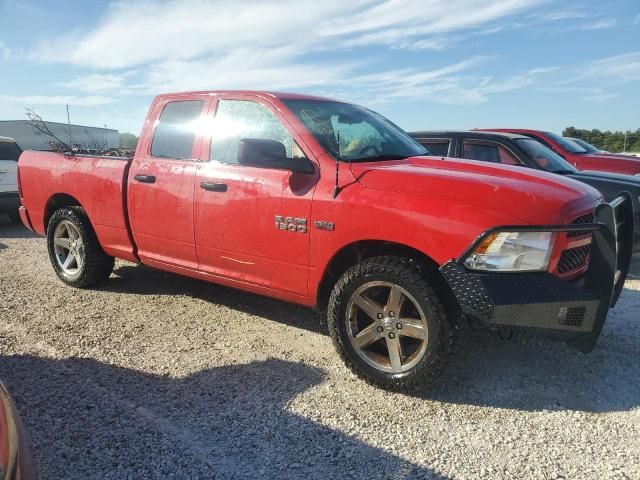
[576, 310]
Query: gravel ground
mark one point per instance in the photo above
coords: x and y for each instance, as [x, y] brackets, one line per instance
[158, 376]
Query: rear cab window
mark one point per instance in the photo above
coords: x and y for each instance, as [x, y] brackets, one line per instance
[176, 129]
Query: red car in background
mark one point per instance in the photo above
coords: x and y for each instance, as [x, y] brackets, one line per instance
[577, 155]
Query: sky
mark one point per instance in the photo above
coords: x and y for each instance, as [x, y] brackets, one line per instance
[425, 64]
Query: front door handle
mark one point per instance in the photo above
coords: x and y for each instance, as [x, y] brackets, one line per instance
[145, 178]
[213, 187]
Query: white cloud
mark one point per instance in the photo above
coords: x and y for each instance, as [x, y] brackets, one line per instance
[135, 33]
[36, 100]
[600, 24]
[619, 68]
[154, 46]
[243, 69]
[558, 14]
[100, 82]
[198, 44]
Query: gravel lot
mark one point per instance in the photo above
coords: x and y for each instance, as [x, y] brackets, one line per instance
[159, 376]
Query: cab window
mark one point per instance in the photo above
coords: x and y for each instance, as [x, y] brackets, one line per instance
[480, 151]
[436, 147]
[488, 152]
[176, 130]
[238, 119]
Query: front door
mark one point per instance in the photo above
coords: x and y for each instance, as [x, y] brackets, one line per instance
[251, 223]
[161, 186]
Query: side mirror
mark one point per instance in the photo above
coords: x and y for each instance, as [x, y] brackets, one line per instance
[262, 153]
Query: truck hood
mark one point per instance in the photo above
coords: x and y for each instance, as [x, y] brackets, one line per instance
[520, 193]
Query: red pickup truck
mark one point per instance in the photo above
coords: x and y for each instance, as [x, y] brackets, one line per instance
[330, 205]
[577, 155]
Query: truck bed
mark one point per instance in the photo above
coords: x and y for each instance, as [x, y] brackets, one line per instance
[97, 183]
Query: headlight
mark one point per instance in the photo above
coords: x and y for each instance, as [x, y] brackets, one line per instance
[512, 252]
[636, 174]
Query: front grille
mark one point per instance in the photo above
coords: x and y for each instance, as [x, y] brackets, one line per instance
[584, 219]
[573, 258]
[573, 316]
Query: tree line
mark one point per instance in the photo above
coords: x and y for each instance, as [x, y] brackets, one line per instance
[610, 141]
[128, 140]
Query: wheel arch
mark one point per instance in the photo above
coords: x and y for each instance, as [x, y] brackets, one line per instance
[356, 252]
[57, 201]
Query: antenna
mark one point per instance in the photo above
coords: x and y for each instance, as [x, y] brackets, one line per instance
[336, 188]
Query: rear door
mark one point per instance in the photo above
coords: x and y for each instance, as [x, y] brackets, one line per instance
[9, 154]
[251, 223]
[161, 183]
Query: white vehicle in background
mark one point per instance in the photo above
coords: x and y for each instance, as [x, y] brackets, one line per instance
[9, 199]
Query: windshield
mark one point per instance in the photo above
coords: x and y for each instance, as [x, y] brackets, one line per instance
[569, 145]
[587, 146]
[544, 157]
[352, 133]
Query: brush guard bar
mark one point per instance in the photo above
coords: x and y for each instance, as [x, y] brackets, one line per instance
[573, 310]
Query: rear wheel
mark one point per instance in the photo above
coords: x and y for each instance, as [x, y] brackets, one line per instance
[74, 250]
[388, 324]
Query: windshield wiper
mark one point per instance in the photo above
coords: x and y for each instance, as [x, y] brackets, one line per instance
[563, 171]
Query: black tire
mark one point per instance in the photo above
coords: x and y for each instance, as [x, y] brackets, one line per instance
[96, 266]
[407, 275]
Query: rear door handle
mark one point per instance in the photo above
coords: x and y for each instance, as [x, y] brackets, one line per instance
[213, 187]
[145, 178]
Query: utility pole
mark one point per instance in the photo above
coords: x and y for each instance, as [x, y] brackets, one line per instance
[106, 142]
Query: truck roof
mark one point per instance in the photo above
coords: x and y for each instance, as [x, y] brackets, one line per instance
[259, 93]
[467, 132]
[512, 130]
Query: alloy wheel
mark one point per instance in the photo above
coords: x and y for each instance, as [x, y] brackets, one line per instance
[386, 326]
[68, 247]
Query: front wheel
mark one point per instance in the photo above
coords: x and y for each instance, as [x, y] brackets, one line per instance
[74, 250]
[388, 324]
